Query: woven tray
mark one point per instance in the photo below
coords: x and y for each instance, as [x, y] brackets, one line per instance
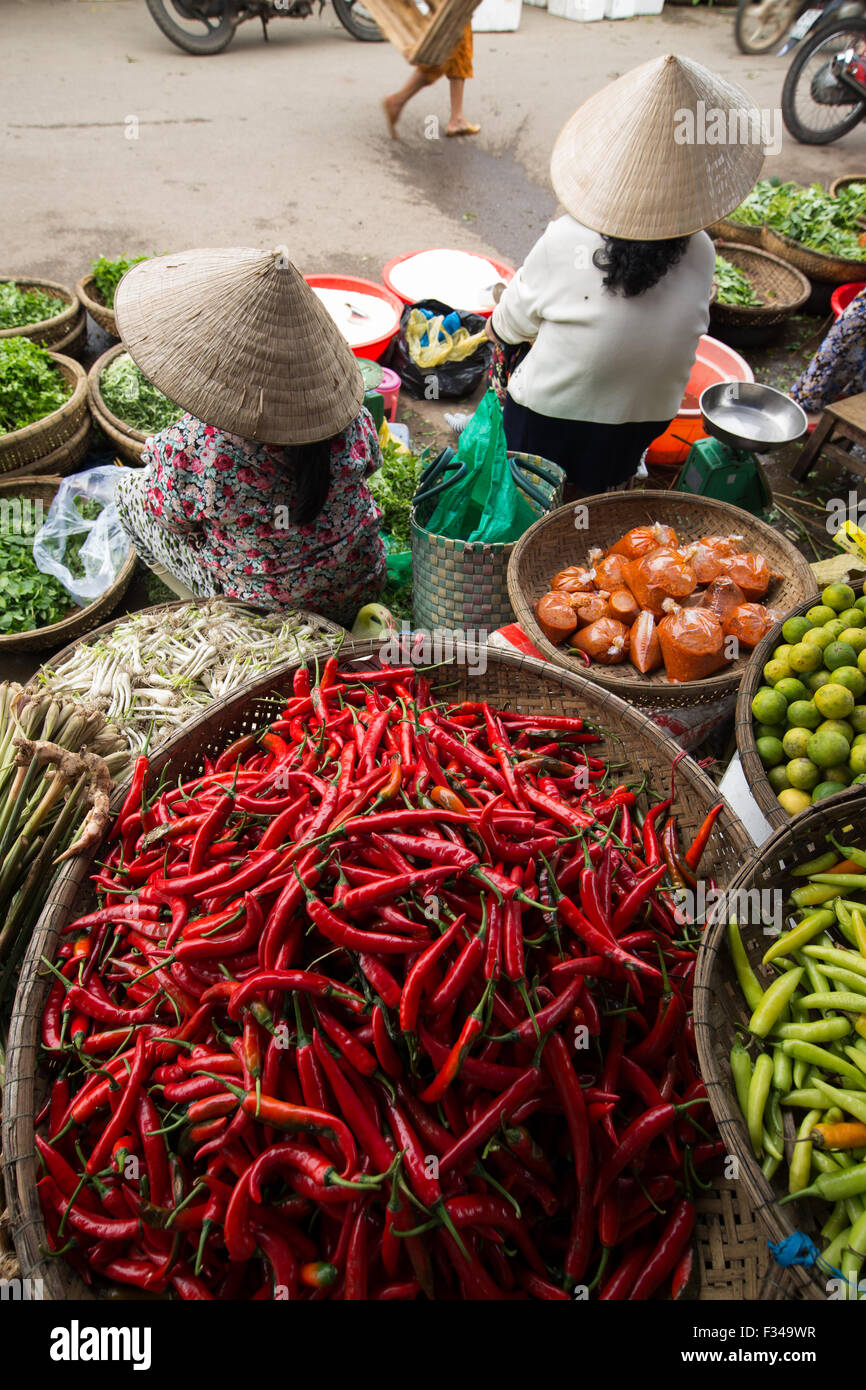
[831, 270]
[95, 306]
[553, 543]
[34, 446]
[80, 620]
[63, 332]
[720, 1010]
[128, 441]
[772, 279]
[742, 233]
[511, 681]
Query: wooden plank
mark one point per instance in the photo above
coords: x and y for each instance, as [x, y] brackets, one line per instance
[401, 22]
[443, 31]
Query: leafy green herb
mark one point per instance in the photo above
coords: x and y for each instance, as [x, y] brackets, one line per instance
[733, 286]
[135, 400]
[828, 225]
[108, 275]
[20, 307]
[88, 509]
[393, 487]
[397, 598]
[30, 384]
[28, 598]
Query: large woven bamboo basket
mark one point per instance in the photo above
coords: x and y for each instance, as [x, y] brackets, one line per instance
[79, 620]
[96, 306]
[720, 1012]
[729, 1250]
[65, 332]
[742, 233]
[844, 182]
[553, 543]
[128, 441]
[830, 270]
[782, 289]
[62, 435]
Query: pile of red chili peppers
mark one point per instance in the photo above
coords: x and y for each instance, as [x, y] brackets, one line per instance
[390, 1001]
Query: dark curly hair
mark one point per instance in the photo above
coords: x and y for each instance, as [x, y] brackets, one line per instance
[633, 267]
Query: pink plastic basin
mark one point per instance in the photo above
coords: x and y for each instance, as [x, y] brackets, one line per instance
[715, 362]
[374, 347]
[841, 297]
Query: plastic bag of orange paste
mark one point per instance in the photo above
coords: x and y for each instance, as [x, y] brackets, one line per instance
[723, 545]
[573, 580]
[610, 572]
[661, 574]
[748, 622]
[641, 539]
[752, 572]
[605, 641]
[722, 597]
[588, 608]
[706, 562]
[556, 617]
[692, 643]
[643, 640]
[623, 605]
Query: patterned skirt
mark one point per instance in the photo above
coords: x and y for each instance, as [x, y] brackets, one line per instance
[838, 368]
[156, 545]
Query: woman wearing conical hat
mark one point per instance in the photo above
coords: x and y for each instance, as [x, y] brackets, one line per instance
[615, 294]
[259, 491]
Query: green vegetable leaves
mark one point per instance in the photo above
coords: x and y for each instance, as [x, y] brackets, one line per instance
[19, 307]
[28, 598]
[732, 285]
[135, 400]
[30, 384]
[809, 215]
[108, 275]
[393, 486]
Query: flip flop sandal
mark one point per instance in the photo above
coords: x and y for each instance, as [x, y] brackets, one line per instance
[392, 124]
[467, 129]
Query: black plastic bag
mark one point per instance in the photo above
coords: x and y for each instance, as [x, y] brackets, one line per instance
[452, 379]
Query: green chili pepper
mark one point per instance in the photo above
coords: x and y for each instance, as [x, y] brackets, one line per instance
[819, 1030]
[832, 1255]
[857, 856]
[836, 955]
[839, 880]
[834, 1187]
[741, 1071]
[783, 1071]
[816, 866]
[800, 1167]
[854, 1104]
[822, 1057]
[849, 1003]
[748, 980]
[813, 894]
[800, 935]
[759, 1090]
[836, 1222]
[808, 1098]
[774, 1001]
[770, 1166]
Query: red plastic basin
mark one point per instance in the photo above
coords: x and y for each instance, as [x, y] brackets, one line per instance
[841, 297]
[504, 271]
[715, 361]
[373, 347]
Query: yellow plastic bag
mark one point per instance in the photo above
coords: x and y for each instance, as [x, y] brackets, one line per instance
[451, 347]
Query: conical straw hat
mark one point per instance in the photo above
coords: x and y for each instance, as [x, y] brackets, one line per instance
[665, 150]
[237, 337]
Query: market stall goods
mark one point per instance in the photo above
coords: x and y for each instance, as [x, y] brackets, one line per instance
[361, 1026]
[44, 311]
[44, 420]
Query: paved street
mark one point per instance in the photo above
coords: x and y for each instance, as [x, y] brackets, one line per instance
[285, 142]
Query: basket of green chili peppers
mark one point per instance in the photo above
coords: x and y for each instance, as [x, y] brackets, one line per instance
[780, 1024]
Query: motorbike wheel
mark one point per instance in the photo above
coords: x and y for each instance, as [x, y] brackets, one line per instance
[359, 22]
[812, 99]
[759, 25]
[213, 27]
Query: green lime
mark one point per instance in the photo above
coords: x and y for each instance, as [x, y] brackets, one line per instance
[768, 706]
[858, 781]
[839, 654]
[835, 629]
[806, 656]
[802, 774]
[861, 661]
[853, 617]
[782, 652]
[804, 714]
[794, 744]
[820, 614]
[838, 597]
[834, 701]
[837, 726]
[859, 741]
[840, 774]
[819, 637]
[770, 751]
[776, 671]
[768, 730]
[857, 760]
[852, 678]
[857, 720]
[855, 637]
[793, 801]
[778, 778]
[860, 603]
[825, 789]
[817, 679]
[827, 749]
[795, 629]
[792, 689]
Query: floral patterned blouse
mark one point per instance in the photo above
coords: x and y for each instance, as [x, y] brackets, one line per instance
[838, 368]
[232, 499]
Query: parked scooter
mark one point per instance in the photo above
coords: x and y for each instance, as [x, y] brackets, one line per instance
[824, 95]
[208, 26]
[761, 25]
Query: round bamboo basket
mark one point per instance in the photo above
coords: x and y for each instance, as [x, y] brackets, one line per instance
[753, 768]
[128, 441]
[511, 681]
[95, 306]
[61, 435]
[844, 181]
[65, 332]
[720, 1012]
[830, 270]
[782, 289]
[741, 233]
[79, 620]
[553, 543]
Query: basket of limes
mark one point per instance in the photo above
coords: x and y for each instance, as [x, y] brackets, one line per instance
[801, 710]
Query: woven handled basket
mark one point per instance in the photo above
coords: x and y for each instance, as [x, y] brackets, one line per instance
[731, 1252]
[781, 288]
[833, 270]
[65, 332]
[744, 233]
[553, 543]
[127, 440]
[96, 306]
[720, 1012]
[58, 441]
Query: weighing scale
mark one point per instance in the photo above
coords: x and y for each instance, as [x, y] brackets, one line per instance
[743, 419]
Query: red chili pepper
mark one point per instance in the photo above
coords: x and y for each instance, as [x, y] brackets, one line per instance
[696, 849]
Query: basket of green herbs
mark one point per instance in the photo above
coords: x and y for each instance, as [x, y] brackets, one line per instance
[49, 313]
[44, 417]
[755, 291]
[817, 233]
[36, 612]
[126, 405]
[96, 290]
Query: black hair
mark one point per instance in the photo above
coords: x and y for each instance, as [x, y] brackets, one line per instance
[310, 466]
[633, 267]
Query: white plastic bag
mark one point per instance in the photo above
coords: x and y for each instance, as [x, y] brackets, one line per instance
[107, 545]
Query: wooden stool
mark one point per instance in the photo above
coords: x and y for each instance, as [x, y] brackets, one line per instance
[844, 421]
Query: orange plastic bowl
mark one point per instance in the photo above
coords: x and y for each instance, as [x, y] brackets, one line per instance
[841, 297]
[505, 273]
[372, 348]
[715, 362]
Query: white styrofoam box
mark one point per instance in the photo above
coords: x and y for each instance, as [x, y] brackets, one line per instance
[736, 790]
[649, 6]
[584, 11]
[619, 9]
[496, 16]
[539, 4]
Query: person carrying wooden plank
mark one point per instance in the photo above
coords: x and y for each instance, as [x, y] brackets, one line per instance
[457, 68]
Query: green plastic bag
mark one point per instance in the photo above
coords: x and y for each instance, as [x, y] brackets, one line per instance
[486, 504]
